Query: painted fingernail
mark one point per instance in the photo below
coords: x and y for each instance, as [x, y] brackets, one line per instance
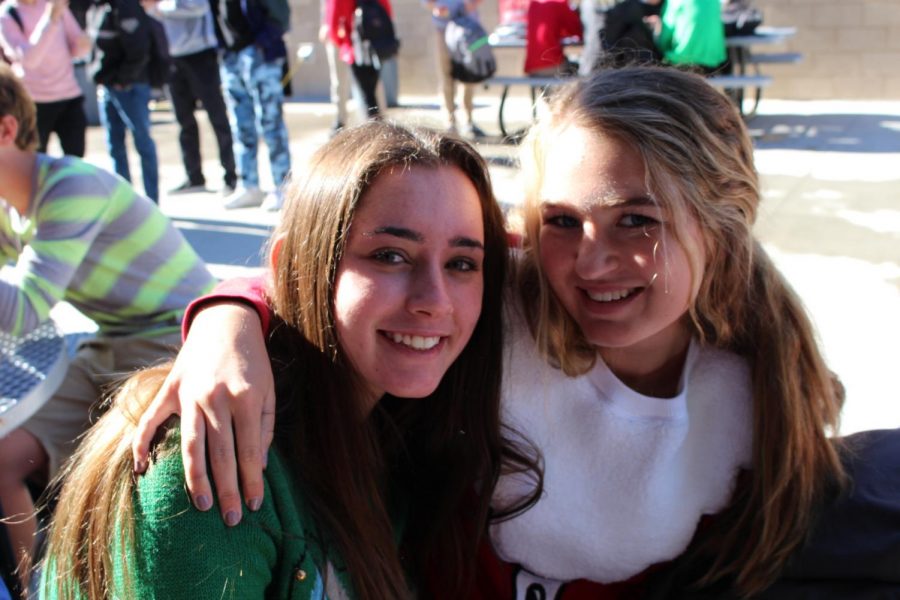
[202, 502]
[232, 517]
[254, 504]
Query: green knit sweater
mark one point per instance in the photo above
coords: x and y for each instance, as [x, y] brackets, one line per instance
[180, 552]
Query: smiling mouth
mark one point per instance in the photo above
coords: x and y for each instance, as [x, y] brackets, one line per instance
[612, 296]
[416, 342]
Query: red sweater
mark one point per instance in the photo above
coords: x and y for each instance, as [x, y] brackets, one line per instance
[549, 21]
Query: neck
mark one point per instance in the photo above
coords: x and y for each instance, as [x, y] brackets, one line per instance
[16, 169]
[652, 367]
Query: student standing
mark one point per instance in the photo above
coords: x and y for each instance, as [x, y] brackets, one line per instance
[42, 38]
[119, 68]
[250, 32]
[195, 77]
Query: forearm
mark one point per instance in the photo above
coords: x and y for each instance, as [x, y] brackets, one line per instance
[23, 304]
[249, 291]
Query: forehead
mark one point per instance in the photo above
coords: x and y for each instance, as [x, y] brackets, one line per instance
[435, 201]
[586, 168]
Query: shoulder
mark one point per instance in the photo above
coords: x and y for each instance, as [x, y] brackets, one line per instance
[273, 551]
[71, 189]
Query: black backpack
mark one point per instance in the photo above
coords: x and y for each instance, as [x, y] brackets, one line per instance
[471, 57]
[373, 37]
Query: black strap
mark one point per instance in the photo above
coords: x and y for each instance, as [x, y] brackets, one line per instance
[16, 17]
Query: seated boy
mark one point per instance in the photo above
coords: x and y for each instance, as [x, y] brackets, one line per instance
[73, 232]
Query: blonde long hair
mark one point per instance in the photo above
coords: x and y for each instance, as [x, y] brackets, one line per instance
[698, 160]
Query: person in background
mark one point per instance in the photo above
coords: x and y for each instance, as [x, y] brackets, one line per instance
[338, 72]
[339, 15]
[41, 38]
[549, 22]
[442, 12]
[689, 33]
[250, 33]
[121, 39]
[72, 232]
[195, 77]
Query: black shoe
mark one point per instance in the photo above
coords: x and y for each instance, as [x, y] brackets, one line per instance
[188, 187]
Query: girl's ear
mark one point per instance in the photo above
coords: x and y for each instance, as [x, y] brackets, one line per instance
[9, 129]
[276, 251]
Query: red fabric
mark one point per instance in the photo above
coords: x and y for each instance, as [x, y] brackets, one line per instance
[339, 16]
[248, 290]
[549, 21]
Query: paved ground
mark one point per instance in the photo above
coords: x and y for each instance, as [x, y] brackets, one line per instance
[831, 218]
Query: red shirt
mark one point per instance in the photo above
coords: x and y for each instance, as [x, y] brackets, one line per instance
[549, 21]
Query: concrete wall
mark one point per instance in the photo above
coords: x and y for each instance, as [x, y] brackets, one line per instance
[851, 48]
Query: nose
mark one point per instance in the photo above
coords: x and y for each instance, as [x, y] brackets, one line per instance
[597, 254]
[428, 292]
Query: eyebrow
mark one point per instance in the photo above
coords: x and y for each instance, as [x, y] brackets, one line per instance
[414, 236]
[643, 200]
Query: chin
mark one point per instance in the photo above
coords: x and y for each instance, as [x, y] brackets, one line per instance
[413, 391]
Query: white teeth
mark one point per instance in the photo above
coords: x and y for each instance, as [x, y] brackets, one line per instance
[609, 296]
[418, 342]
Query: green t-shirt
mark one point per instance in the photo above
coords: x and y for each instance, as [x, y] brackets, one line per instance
[692, 33]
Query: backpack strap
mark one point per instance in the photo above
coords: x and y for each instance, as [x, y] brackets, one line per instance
[11, 11]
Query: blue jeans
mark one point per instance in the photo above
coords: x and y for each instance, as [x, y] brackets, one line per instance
[254, 97]
[128, 108]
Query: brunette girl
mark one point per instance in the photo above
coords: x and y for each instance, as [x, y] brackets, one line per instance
[387, 272]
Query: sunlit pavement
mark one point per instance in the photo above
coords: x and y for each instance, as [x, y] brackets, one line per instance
[830, 218]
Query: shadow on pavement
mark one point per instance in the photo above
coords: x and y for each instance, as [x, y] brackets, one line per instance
[224, 242]
[876, 133]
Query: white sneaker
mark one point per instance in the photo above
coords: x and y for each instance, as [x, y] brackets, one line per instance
[244, 198]
[273, 202]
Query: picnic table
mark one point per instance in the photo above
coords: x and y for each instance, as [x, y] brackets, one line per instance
[746, 72]
[31, 368]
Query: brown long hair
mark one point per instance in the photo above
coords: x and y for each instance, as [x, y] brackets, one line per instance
[429, 454]
[698, 161]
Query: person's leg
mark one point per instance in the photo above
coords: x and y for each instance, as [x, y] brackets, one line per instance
[268, 96]
[134, 103]
[183, 103]
[71, 127]
[207, 85]
[46, 113]
[339, 78]
[112, 122]
[242, 118]
[447, 85]
[21, 454]
[366, 77]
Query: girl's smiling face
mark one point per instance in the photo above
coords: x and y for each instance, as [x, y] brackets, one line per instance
[409, 285]
[608, 249]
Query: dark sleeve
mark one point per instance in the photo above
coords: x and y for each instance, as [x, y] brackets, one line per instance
[134, 36]
[246, 290]
[857, 536]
